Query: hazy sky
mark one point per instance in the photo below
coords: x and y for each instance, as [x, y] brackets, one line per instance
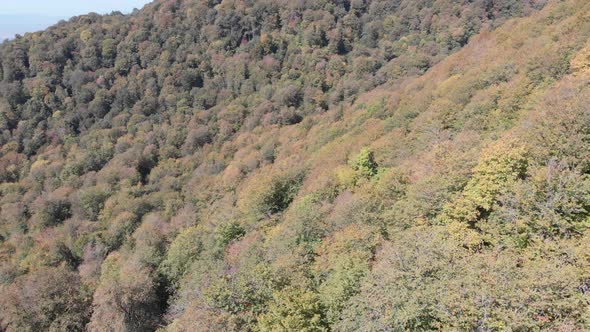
[20, 16]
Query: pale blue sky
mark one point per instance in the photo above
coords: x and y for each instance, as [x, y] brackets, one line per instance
[20, 16]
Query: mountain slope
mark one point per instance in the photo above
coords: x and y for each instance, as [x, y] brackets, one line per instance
[421, 165]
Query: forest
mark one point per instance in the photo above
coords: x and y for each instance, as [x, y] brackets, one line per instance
[308, 165]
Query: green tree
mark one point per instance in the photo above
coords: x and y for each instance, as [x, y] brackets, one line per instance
[499, 167]
[293, 309]
[183, 251]
[364, 164]
[92, 202]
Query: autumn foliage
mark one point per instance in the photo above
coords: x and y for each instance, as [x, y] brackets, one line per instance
[363, 165]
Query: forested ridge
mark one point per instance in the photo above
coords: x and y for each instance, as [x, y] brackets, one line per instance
[258, 165]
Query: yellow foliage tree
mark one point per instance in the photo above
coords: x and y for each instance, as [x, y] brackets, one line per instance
[499, 166]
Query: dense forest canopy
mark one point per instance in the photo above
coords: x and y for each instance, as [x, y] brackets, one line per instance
[258, 165]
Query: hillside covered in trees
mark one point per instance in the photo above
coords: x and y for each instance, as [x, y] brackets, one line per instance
[309, 165]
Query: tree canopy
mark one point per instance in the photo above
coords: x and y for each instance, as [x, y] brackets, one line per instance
[262, 165]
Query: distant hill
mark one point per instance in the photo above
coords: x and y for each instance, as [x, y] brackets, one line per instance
[364, 165]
